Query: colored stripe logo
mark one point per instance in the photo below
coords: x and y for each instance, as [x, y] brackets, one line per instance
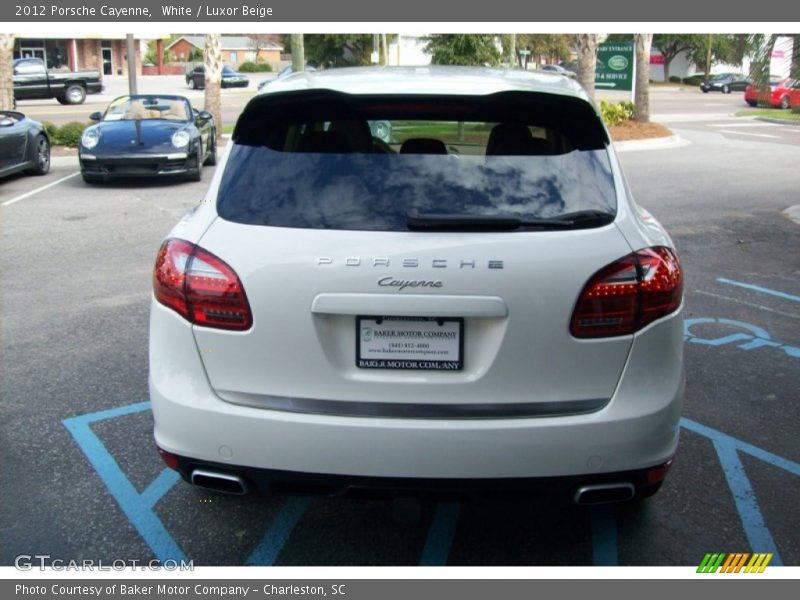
[734, 563]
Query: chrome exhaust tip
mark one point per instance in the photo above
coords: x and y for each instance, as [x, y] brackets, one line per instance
[604, 493]
[219, 482]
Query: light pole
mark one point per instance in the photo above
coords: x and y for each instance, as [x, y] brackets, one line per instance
[525, 53]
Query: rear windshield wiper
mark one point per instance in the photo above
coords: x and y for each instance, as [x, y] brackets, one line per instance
[445, 222]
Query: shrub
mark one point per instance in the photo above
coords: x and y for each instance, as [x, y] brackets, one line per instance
[693, 80]
[614, 114]
[69, 134]
[52, 130]
[674, 79]
[255, 67]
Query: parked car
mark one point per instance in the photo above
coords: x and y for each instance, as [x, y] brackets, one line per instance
[559, 70]
[282, 74]
[32, 81]
[725, 83]
[24, 145]
[147, 136]
[478, 304]
[196, 78]
[783, 93]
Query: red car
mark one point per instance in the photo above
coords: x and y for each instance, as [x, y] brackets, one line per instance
[783, 93]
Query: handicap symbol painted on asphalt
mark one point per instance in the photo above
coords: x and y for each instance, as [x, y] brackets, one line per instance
[746, 336]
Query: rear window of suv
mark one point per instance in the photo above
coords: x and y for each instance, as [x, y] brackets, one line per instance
[326, 160]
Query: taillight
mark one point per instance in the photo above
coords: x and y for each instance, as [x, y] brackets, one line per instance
[628, 294]
[200, 287]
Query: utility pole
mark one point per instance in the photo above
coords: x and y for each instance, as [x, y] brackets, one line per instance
[512, 50]
[131, 49]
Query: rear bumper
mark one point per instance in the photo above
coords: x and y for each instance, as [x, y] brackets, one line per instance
[635, 430]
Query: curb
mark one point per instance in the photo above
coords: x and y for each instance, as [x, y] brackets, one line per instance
[662, 143]
[793, 213]
[795, 123]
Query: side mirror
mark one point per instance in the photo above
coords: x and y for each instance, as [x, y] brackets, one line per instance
[96, 116]
[204, 115]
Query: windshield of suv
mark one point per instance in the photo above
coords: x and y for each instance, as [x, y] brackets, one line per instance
[370, 167]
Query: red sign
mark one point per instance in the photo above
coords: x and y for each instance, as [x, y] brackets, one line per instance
[656, 59]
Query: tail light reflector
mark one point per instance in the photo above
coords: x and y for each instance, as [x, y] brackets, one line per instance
[628, 294]
[200, 287]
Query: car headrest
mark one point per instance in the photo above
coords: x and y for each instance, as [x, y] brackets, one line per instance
[324, 142]
[136, 111]
[423, 146]
[514, 139]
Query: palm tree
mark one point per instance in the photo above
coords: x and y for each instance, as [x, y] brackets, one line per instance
[6, 71]
[586, 44]
[212, 58]
[643, 42]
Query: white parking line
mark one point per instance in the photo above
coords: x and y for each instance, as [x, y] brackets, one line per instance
[746, 124]
[792, 129]
[746, 303]
[40, 189]
[761, 135]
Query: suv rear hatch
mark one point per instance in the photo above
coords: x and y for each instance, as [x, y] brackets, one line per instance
[430, 271]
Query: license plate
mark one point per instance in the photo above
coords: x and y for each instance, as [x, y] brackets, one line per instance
[415, 343]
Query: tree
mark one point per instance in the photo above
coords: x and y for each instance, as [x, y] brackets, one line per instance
[298, 53]
[259, 41]
[6, 71]
[586, 45]
[671, 45]
[337, 50]
[212, 58]
[555, 47]
[463, 49]
[643, 42]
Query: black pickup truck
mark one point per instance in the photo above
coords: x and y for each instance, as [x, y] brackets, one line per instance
[32, 81]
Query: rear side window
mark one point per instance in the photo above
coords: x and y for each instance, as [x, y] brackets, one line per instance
[323, 160]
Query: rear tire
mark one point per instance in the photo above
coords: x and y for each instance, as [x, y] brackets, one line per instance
[211, 160]
[42, 165]
[61, 100]
[191, 83]
[75, 94]
[726, 89]
[785, 102]
[197, 174]
[752, 102]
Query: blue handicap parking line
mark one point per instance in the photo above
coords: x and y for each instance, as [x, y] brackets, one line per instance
[760, 289]
[137, 507]
[267, 551]
[746, 337]
[604, 536]
[728, 448]
[440, 535]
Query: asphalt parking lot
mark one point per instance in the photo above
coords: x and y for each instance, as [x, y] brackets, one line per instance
[83, 480]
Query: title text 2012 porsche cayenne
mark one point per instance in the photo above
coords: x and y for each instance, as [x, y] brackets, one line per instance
[476, 303]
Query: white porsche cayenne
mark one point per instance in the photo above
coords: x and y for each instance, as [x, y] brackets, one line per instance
[419, 279]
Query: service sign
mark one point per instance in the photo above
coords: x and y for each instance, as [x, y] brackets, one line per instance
[409, 343]
[615, 62]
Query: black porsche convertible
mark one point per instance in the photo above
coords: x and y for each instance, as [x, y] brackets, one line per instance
[148, 136]
[24, 145]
